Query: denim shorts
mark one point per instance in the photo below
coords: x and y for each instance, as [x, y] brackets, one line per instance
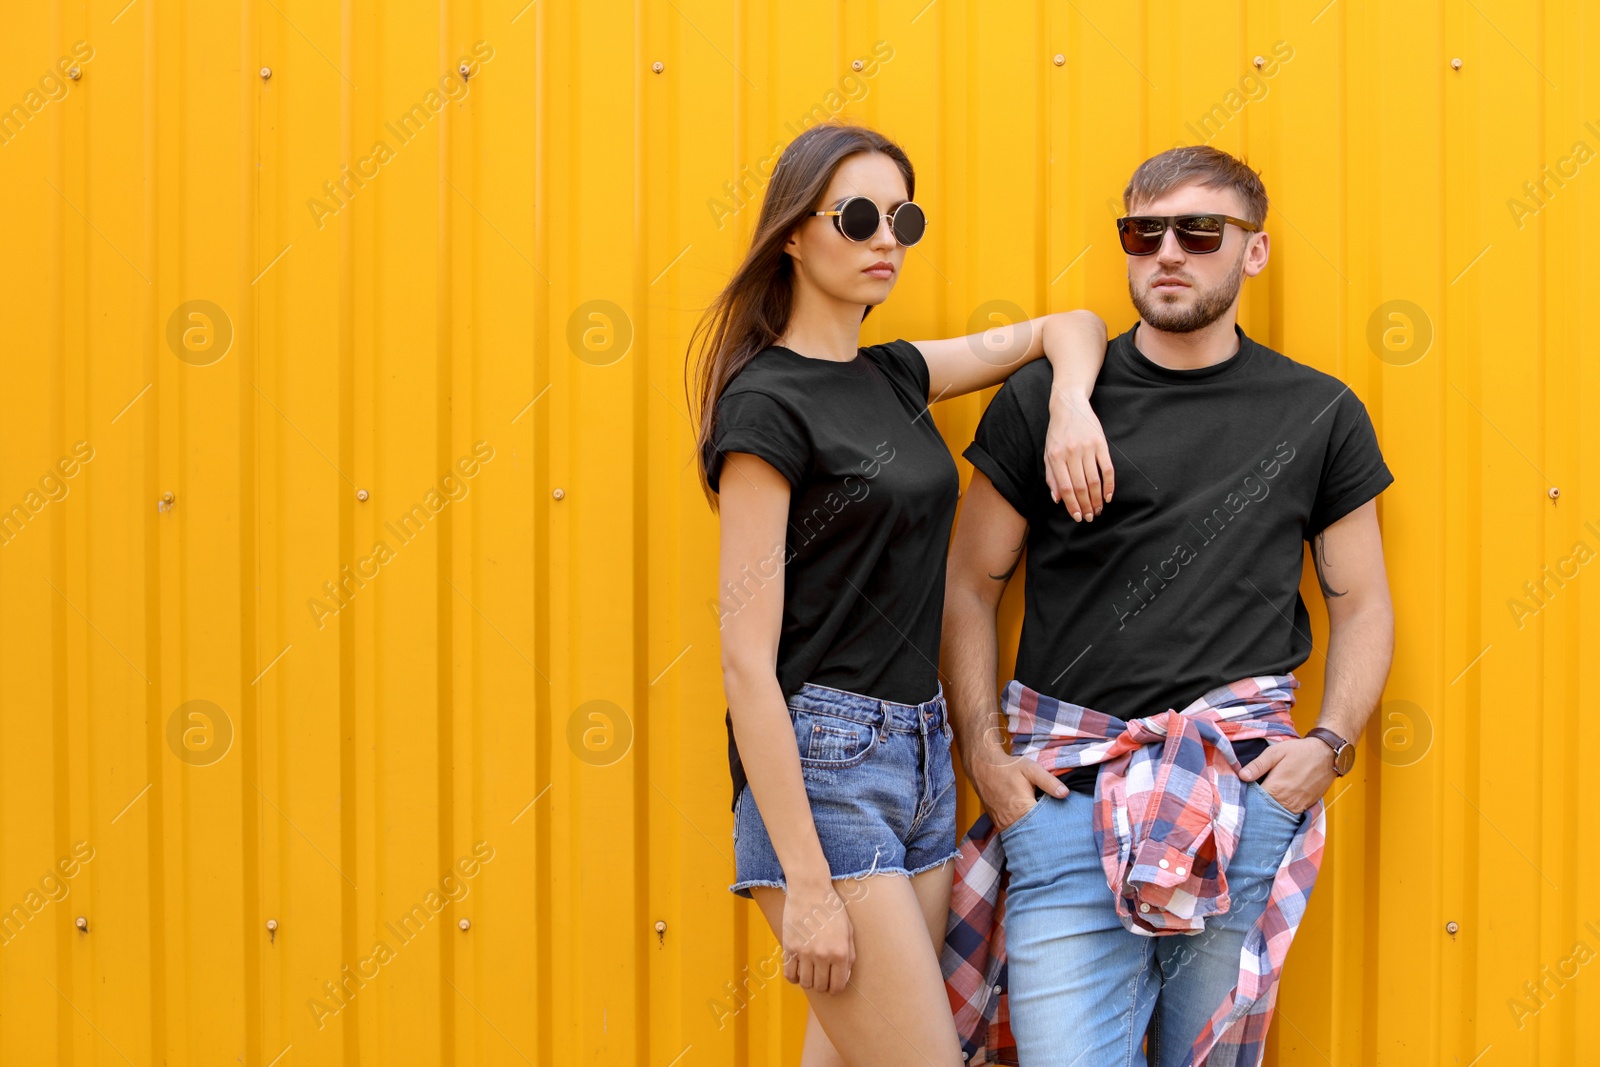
[880, 782]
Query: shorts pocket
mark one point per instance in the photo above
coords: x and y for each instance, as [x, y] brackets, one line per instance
[832, 741]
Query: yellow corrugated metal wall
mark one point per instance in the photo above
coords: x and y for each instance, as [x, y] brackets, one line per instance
[360, 682]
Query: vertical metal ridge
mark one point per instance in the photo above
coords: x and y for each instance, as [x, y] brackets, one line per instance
[352, 804]
[150, 417]
[247, 740]
[544, 696]
[444, 600]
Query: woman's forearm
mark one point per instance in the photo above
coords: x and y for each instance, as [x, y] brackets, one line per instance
[1075, 345]
[764, 733]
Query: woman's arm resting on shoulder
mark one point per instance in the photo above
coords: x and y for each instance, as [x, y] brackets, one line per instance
[754, 504]
[1077, 460]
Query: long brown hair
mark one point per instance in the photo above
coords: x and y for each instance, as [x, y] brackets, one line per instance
[753, 310]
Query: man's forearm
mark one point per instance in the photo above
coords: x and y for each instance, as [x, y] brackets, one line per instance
[970, 651]
[1360, 650]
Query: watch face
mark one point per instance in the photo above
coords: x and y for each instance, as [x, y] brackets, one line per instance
[1345, 759]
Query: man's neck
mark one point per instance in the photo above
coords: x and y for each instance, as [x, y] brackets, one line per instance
[1187, 351]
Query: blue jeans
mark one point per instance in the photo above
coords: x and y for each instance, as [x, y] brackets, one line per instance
[1082, 988]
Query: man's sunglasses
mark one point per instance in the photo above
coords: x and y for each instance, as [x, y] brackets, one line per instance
[1197, 234]
[857, 218]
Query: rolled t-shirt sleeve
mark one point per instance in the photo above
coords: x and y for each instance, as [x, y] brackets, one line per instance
[904, 365]
[756, 423]
[1005, 449]
[1353, 471]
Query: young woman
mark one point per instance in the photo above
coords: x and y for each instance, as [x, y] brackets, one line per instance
[837, 496]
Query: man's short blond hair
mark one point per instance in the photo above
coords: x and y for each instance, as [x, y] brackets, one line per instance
[1197, 165]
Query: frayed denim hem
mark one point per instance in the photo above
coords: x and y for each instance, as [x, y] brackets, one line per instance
[743, 888]
[940, 863]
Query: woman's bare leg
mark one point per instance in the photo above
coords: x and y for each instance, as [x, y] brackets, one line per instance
[933, 893]
[894, 1011]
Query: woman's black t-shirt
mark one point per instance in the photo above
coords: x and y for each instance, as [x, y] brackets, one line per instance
[872, 497]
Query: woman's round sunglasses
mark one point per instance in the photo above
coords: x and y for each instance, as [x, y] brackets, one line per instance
[857, 218]
[1197, 234]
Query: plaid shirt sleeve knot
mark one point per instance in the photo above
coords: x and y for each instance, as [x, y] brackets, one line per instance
[1166, 834]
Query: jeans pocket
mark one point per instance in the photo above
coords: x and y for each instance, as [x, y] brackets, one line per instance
[832, 741]
[1024, 817]
[1276, 803]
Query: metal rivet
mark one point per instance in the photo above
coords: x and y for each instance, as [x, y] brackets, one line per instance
[272, 924]
[465, 924]
[465, 71]
[167, 502]
[1060, 60]
[272, 930]
[661, 931]
[266, 72]
[82, 924]
[1555, 493]
[559, 493]
[857, 65]
[658, 66]
[1259, 61]
[1455, 64]
[1452, 927]
[362, 494]
[74, 73]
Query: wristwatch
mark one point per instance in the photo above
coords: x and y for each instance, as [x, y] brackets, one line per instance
[1344, 753]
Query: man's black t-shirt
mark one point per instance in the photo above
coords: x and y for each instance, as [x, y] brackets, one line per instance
[872, 496]
[1190, 577]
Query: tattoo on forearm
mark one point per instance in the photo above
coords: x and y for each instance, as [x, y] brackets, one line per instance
[1319, 557]
[1016, 560]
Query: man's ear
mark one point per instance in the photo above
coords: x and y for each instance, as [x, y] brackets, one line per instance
[1255, 257]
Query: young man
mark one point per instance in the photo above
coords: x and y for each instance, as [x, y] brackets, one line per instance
[1153, 835]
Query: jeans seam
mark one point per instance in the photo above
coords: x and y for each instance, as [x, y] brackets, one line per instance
[1133, 1008]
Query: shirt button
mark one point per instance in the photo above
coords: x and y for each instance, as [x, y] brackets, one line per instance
[1144, 907]
[1180, 872]
[1164, 865]
[997, 989]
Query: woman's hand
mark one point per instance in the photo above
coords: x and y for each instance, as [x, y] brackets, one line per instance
[1077, 460]
[818, 942]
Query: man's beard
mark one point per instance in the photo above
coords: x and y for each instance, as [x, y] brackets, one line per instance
[1210, 306]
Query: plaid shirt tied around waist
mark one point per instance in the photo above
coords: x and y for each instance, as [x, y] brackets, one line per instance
[1168, 811]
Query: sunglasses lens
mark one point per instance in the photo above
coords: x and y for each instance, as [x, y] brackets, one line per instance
[859, 218]
[909, 223]
[1141, 236]
[1200, 233]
